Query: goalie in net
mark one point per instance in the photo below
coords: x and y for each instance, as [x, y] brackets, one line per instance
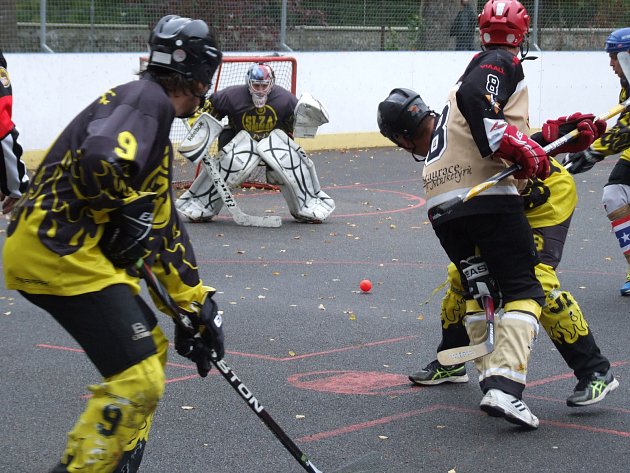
[262, 120]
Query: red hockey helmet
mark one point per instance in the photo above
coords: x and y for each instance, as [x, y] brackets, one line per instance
[503, 22]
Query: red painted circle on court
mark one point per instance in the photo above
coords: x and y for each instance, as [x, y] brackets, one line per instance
[354, 382]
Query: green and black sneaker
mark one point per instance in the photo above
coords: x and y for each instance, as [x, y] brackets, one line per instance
[592, 389]
[436, 373]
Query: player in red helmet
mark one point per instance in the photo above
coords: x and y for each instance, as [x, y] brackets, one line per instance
[480, 131]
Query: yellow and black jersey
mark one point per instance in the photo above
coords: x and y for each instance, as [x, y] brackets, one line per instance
[551, 201]
[235, 102]
[490, 95]
[616, 139]
[113, 152]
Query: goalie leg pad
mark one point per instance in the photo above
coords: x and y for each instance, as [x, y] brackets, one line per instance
[201, 202]
[294, 173]
[236, 161]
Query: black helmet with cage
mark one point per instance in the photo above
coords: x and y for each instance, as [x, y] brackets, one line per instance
[185, 46]
[401, 113]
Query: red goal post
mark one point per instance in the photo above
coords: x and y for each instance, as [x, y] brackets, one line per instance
[232, 71]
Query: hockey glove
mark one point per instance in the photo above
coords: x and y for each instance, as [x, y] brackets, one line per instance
[519, 148]
[206, 343]
[589, 129]
[480, 281]
[582, 161]
[126, 235]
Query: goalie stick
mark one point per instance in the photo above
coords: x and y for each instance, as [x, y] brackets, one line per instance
[455, 356]
[367, 463]
[195, 146]
[447, 207]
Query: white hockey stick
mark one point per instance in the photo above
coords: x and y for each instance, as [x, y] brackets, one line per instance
[454, 356]
[195, 146]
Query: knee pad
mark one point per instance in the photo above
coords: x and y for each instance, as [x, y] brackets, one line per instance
[295, 175]
[615, 200]
[562, 318]
[621, 229]
[238, 159]
[115, 417]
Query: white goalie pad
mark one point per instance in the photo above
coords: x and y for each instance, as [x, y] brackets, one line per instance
[292, 170]
[201, 135]
[235, 162]
[310, 113]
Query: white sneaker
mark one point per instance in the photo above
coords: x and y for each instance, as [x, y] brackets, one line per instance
[499, 404]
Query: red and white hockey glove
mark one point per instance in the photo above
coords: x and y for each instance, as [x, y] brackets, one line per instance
[589, 129]
[519, 148]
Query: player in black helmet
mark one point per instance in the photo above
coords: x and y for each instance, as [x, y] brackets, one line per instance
[549, 205]
[100, 201]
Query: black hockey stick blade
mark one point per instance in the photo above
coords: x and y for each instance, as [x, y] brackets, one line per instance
[369, 463]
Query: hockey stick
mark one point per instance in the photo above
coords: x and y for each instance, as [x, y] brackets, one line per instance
[363, 464]
[205, 128]
[454, 356]
[447, 207]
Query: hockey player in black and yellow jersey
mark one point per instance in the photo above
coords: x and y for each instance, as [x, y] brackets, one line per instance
[616, 195]
[484, 123]
[100, 201]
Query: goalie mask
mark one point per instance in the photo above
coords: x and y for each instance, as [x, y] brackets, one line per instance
[400, 115]
[185, 46]
[503, 22]
[260, 80]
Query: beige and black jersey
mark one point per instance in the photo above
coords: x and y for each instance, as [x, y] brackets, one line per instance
[113, 152]
[490, 95]
[235, 102]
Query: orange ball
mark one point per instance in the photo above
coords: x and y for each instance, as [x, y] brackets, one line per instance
[365, 285]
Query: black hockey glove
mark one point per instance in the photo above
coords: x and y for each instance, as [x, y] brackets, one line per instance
[125, 238]
[582, 161]
[480, 281]
[206, 343]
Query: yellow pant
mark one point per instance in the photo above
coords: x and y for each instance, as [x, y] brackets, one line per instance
[118, 415]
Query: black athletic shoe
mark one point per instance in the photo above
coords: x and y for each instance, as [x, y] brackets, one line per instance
[592, 389]
[436, 373]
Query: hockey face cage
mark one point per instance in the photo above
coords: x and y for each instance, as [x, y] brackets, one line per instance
[400, 115]
[260, 81]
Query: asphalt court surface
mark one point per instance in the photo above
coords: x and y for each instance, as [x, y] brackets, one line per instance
[329, 363]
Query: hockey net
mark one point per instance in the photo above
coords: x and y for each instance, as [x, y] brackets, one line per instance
[233, 71]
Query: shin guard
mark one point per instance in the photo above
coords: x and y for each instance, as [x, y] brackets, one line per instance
[295, 174]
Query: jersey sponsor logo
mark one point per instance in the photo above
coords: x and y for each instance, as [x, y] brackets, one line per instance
[36, 282]
[447, 174]
[4, 78]
[104, 100]
[260, 122]
[494, 68]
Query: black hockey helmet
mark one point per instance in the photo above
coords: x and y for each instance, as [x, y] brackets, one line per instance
[401, 113]
[185, 46]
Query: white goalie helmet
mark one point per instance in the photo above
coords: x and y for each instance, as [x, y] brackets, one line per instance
[260, 80]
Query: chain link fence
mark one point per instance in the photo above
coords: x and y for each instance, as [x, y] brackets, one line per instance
[294, 25]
